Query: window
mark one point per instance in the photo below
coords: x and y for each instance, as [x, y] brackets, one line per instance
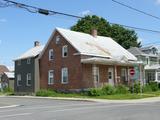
[65, 51]
[50, 77]
[124, 74]
[64, 78]
[158, 76]
[51, 56]
[28, 79]
[95, 71]
[18, 80]
[19, 62]
[29, 61]
[57, 39]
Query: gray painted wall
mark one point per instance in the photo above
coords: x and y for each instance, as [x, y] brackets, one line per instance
[23, 69]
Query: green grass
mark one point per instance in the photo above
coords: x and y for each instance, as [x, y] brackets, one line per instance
[110, 97]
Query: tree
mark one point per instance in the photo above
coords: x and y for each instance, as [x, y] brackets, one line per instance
[125, 37]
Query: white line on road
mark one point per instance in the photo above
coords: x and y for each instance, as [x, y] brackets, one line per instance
[15, 115]
[11, 106]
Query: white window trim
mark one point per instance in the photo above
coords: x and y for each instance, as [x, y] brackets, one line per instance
[50, 54]
[57, 39]
[62, 74]
[49, 77]
[29, 74]
[29, 61]
[19, 80]
[65, 46]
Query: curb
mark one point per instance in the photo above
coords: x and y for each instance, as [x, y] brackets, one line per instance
[144, 100]
[10, 106]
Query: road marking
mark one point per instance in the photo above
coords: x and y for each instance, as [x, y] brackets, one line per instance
[15, 115]
[10, 106]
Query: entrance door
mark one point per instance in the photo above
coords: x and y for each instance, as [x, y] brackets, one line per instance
[110, 76]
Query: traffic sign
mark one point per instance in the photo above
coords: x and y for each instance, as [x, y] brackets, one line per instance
[132, 71]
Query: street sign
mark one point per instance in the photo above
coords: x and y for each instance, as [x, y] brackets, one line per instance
[132, 71]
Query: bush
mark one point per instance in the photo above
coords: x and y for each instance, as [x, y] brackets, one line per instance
[121, 89]
[154, 86]
[45, 93]
[136, 88]
[147, 88]
[108, 90]
[95, 92]
[8, 90]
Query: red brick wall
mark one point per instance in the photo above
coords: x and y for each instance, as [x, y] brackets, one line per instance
[72, 62]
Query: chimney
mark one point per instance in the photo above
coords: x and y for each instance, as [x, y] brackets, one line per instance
[36, 43]
[94, 32]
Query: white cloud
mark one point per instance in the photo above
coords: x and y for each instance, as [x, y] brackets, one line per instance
[3, 20]
[86, 12]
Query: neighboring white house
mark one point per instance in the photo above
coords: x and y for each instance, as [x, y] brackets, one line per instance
[150, 58]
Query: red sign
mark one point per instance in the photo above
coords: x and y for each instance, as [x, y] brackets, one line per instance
[132, 71]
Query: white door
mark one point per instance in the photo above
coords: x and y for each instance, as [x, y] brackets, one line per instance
[110, 76]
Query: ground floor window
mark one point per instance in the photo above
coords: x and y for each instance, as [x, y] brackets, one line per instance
[124, 74]
[150, 76]
[95, 72]
[28, 79]
[158, 76]
[50, 77]
[64, 78]
[19, 80]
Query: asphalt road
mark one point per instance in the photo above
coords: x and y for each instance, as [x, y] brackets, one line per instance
[48, 109]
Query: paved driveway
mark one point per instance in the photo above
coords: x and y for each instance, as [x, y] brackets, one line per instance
[47, 109]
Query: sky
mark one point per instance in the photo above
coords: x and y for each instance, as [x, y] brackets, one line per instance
[19, 28]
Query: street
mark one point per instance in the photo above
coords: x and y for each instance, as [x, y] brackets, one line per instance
[15, 108]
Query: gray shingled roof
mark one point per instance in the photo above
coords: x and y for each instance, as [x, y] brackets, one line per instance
[136, 51]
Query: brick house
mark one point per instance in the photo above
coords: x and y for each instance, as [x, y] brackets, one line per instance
[77, 61]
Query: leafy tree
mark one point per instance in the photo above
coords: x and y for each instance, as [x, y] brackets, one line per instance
[123, 36]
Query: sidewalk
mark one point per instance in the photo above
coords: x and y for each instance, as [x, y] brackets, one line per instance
[144, 100]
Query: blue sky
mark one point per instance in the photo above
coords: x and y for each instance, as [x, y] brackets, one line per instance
[19, 28]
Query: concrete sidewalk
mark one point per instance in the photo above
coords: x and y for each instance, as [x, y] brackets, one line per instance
[144, 100]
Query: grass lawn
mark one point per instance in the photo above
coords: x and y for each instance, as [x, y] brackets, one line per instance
[110, 97]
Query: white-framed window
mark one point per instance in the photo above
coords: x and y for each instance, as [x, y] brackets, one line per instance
[19, 80]
[29, 61]
[65, 51]
[95, 72]
[124, 74]
[50, 77]
[19, 62]
[28, 79]
[57, 39]
[64, 78]
[51, 54]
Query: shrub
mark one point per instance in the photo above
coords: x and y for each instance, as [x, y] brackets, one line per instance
[121, 89]
[136, 88]
[154, 86]
[108, 90]
[147, 88]
[45, 93]
[8, 89]
[95, 92]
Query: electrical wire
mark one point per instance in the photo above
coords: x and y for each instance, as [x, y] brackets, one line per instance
[137, 10]
[34, 9]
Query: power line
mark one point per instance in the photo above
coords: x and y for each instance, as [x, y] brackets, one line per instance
[34, 9]
[137, 10]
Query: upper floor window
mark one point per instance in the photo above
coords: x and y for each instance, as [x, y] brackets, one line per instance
[65, 51]
[28, 79]
[19, 62]
[29, 61]
[57, 39]
[64, 73]
[50, 77]
[51, 54]
[19, 80]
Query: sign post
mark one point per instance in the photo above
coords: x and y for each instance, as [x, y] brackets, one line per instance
[132, 73]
